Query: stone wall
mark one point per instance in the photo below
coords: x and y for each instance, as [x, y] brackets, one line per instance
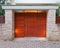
[6, 29]
[53, 32]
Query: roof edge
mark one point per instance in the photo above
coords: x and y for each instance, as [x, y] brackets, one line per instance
[33, 4]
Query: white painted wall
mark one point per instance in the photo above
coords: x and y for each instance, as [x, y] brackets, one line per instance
[37, 1]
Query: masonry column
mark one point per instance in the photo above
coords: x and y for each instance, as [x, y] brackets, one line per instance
[9, 25]
[51, 19]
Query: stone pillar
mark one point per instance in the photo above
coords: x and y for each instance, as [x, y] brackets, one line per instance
[51, 25]
[8, 30]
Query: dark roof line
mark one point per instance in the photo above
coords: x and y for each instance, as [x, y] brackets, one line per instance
[36, 4]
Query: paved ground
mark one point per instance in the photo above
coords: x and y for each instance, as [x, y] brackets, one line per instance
[29, 44]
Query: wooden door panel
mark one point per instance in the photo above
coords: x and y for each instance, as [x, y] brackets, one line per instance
[36, 25]
[19, 26]
[30, 25]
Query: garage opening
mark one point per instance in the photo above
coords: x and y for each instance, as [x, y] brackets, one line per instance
[30, 24]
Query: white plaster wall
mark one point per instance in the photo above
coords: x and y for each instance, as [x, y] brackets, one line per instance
[36, 1]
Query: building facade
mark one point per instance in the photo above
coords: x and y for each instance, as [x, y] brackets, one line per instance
[49, 31]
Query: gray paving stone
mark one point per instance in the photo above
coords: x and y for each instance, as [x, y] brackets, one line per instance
[30, 44]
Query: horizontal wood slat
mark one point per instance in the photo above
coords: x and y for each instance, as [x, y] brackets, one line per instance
[30, 24]
[57, 19]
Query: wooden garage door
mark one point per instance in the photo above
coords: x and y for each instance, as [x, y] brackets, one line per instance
[30, 24]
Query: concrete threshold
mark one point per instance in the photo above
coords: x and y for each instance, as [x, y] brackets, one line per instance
[31, 38]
